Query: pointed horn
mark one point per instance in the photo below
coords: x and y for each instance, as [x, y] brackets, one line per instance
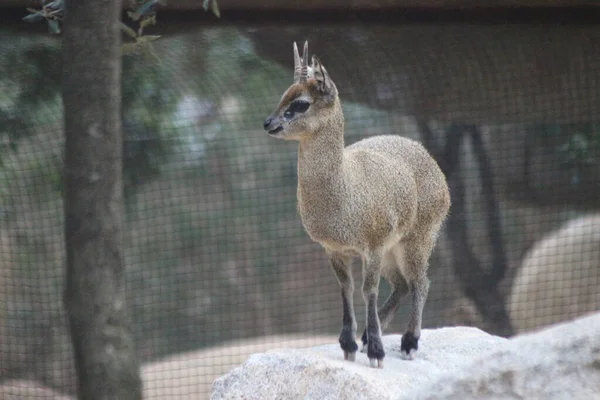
[297, 64]
[304, 69]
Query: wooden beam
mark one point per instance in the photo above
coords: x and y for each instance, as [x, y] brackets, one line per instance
[352, 5]
[357, 5]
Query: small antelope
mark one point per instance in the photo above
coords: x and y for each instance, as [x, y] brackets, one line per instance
[383, 199]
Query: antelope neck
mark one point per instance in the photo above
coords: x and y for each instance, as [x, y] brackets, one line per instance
[321, 158]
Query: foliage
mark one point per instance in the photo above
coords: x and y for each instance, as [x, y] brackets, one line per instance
[144, 86]
[51, 11]
[33, 79]
[214, 7]
[578, 145]
[141, 12]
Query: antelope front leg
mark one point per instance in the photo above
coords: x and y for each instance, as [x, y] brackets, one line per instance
[371, 275]
[389, 308]
[341, 267]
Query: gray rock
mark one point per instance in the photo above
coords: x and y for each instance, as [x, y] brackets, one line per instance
[561, 362]
[321, 372]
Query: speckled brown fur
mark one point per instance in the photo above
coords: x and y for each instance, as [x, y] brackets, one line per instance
[383, 199]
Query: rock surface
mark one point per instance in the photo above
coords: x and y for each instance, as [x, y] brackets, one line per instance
[561, 362]
[565, 261]
[190, 375]
[321, 372]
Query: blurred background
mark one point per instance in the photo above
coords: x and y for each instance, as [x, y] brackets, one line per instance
[218, 264]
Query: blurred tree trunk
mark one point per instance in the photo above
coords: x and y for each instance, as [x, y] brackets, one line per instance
[107, 366]
[479, 284]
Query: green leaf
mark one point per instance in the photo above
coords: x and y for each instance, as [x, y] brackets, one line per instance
[55, 14]
[215, 8]
[53, 26]
[152, 51]
[55, 5]
[126, 29]
[143, 9]
[133, 15]
[34, 17]
[150, 38]
[148, 21]
[129, 48]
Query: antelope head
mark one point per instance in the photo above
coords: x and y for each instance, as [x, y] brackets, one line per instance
[307, 104]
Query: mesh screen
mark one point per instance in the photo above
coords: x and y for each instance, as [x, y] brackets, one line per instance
[218, 264]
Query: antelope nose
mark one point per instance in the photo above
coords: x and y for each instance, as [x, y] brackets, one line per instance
[267, 123]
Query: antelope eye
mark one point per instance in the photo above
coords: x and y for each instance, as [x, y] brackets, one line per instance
[299, 106]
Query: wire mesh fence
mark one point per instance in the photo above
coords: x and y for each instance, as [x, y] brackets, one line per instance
[218, 263]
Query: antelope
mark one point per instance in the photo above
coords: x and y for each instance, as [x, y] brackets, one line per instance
[383, 199]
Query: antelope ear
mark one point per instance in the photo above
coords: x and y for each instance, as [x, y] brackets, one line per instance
[325, 84]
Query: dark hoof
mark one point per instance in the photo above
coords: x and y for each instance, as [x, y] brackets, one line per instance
[376, 363]
[410, 344]
[348, 344]
[375, 352]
